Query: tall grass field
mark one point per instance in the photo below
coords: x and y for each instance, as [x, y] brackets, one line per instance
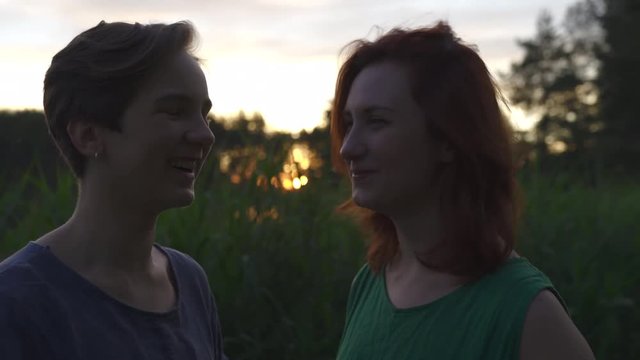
[281, 262]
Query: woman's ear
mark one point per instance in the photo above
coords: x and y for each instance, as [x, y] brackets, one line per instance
[85, 137]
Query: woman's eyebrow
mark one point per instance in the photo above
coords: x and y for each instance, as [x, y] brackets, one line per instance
[181, 98]
[369, 108]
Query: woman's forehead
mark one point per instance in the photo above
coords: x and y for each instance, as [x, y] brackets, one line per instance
[381, 85]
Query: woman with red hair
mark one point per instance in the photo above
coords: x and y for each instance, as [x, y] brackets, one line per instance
[416, 124]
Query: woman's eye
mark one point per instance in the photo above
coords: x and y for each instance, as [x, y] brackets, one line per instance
[172, 111]
[377, 121]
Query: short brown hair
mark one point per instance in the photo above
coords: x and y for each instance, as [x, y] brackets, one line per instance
[96, 76]
[479, 202]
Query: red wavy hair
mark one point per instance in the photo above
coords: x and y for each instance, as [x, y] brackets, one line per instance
[479, 202]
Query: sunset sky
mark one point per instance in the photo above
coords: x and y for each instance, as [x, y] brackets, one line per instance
[276, 57]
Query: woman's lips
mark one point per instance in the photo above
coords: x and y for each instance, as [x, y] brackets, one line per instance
[361, 174]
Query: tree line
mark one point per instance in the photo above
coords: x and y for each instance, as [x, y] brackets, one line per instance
[578, 76]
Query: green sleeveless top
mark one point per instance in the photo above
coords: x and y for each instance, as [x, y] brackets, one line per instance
[479, 320]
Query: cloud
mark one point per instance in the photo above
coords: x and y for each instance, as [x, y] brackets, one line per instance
[280, 41]
[292, 28]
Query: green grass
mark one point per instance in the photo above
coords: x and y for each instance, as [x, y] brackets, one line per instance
[587, 240]
[281, 282]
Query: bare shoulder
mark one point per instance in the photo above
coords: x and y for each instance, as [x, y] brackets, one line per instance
[549, 332]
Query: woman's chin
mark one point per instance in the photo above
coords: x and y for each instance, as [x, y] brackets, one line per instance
[179, 199]
[363, 201]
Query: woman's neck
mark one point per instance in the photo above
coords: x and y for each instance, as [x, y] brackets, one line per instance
[104, 234]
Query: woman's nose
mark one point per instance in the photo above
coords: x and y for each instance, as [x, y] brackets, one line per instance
[202, 135]
[353, 145]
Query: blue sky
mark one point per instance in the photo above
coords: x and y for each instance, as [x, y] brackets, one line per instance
[277, 57]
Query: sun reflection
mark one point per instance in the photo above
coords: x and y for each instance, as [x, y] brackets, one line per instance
[300, 162]
[259, 216]
[296, 154]
[287, 184]
[297, 184]
[301, 159]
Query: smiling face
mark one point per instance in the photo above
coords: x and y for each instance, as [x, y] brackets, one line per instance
[165, 137]
[386, 146]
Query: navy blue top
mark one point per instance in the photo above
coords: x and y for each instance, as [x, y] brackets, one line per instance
[48, 311]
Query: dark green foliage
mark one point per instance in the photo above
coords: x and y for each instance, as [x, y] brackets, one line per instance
[556, 79]
[281, 263]
[24, 140]
[581, 81]
[587, 240]
[282, 281]
[619, 79]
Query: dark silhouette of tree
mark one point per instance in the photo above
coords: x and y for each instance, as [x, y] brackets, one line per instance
[238, 131]
[242, 146]
[619, 82]
[581, 80]
[557, 80]
[24, 143]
